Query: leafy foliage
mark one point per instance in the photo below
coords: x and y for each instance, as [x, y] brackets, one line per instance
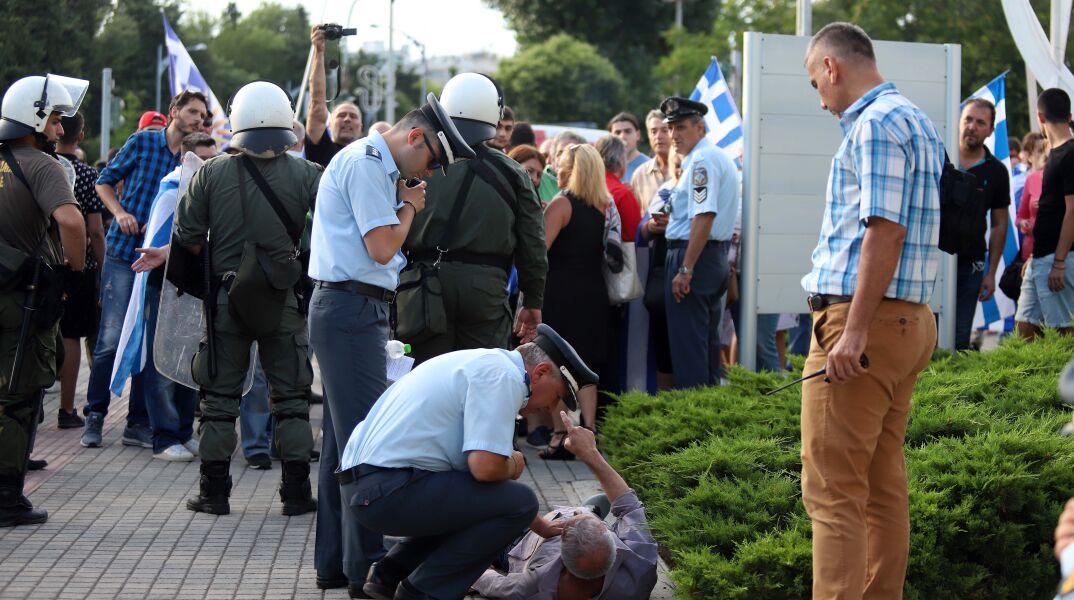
[988, 475]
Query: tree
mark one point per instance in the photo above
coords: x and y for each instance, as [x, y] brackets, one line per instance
[47, 36]
[561, 80]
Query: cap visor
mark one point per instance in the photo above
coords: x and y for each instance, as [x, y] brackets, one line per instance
[570, 400]
[264, 143]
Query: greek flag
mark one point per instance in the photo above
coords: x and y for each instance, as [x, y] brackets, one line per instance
[998, 311]
[723, 122]
[183, 75]
[131, 356]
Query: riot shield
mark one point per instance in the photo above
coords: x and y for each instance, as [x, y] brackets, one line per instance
[181, 321]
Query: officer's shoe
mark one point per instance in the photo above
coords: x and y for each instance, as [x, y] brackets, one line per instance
[215, 489]
[295, 490]
[16, 509]
[405, 591]
[382, 580]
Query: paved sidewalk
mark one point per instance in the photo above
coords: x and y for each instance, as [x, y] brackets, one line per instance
[118, 526]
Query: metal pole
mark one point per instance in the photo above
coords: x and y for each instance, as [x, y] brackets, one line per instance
[424, 75]
[803, 23]
[390, 105]
[1031, 97]
[1056, 32]
[678, 13]
[751, 210]
[946, 333]
[106, 110]
[160, 59]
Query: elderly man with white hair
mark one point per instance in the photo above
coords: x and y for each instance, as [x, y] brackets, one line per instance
[590, 559]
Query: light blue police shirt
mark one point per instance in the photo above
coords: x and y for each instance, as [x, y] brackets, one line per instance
[357, 193]
[447, 406]
[710, 183]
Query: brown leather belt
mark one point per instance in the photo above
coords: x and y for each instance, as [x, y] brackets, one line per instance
[821, 301]
[357, 287]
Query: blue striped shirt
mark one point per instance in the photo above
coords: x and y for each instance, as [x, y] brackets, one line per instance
[140, 164]
[888, 166]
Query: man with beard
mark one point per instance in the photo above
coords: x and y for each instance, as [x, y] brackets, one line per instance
[976, 280]
[345, 125]
[141, 163]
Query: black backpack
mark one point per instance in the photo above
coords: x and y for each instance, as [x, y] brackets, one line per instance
[962, 212]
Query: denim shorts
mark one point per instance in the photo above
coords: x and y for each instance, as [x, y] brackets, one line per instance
[1038, 305]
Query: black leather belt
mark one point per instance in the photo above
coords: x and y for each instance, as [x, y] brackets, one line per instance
[684, 243]
[821, 301]
[469, 258]
[357, 287]
[354, 473]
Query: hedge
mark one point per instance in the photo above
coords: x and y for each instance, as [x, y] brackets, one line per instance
[719, 471]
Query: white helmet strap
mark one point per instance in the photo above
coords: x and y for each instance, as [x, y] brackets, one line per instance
[43, 102]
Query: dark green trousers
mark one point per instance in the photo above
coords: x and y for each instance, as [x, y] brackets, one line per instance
[285, 359]
[476, 309]
[19, 408]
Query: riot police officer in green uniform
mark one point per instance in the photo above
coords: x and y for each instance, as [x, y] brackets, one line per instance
[251, 207]
[33, 193]
[482, 217]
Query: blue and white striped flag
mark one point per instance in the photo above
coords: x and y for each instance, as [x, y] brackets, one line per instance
[999, 309]
[184, 75]
[723, 122]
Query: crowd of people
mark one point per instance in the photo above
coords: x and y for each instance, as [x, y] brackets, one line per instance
[490, 251]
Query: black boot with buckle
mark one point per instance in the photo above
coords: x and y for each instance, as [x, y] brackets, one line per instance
[295, 490]
[215, 489]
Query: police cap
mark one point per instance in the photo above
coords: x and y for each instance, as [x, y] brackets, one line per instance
[453, 146]
[574, 370]
[676, 108]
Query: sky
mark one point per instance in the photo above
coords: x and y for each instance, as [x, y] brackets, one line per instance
[446, 27]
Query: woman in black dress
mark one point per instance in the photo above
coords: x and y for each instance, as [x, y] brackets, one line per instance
[575, 296]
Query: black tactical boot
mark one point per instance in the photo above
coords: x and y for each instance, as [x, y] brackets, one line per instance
[16, 509]
[215, 489]
[295, 491]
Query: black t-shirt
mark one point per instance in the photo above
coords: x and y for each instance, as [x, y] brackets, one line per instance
[1056, 184]
[994, 182]
[323, 151]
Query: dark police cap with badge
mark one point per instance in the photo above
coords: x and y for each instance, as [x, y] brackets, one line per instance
[574, 370]
[676, 108]
[453, 146]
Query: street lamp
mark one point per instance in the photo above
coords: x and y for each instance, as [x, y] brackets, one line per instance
[424, 62]
[162, 63]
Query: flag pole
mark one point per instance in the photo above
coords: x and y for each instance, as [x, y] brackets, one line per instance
[303, 84]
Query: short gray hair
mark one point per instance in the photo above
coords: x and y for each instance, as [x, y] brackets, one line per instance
[568, 137]
[846, 41]
[588, 537]
[532, 354]
[612, 152]
[653, 114]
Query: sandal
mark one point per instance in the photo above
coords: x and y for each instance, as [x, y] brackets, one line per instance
[556, 450]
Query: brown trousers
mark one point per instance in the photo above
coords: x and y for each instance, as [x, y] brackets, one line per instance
[853, 469]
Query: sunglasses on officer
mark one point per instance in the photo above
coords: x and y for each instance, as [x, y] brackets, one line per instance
[434, 162]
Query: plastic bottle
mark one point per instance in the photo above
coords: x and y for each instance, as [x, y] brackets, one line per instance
[396, 349]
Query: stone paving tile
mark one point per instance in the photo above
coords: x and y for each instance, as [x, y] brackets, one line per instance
[118, 527]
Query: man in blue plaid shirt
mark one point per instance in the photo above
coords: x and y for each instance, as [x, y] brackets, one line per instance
[145, 158]
[874, 270]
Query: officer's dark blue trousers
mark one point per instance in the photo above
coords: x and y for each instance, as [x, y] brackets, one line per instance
[455, 526]
[694, 322]
[348, 333]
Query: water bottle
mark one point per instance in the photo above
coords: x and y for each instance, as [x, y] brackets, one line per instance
[396, 349]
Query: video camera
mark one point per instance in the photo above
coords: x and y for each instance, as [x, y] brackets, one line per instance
[333, 31]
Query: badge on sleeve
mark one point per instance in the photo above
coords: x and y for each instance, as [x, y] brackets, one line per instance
[371, 150]
[700, 180]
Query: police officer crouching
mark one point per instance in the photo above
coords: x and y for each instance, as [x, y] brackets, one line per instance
[252, 208]
[704, 206]
[33, 191]
[434, 462]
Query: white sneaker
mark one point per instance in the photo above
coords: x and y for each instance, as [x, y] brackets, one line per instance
[192, 445]
[175, 453]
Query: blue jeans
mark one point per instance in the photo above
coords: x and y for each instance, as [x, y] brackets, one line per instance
[967, 289]
[117, 281]
[170, 405]
[801, 336]
[255, 422]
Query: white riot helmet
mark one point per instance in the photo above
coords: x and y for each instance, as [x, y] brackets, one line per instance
[30, 100]
[474, 102]
[261, 115]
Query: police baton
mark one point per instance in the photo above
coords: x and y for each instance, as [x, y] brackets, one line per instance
[863, 361]
[28, 312]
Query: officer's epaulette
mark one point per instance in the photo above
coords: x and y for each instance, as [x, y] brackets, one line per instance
[371, 150]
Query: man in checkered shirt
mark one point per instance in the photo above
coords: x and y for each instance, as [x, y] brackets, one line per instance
[874, 270]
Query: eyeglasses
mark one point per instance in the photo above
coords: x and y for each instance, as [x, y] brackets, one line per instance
[433, 163]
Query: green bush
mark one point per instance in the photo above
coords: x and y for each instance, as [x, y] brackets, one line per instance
[719, 471]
